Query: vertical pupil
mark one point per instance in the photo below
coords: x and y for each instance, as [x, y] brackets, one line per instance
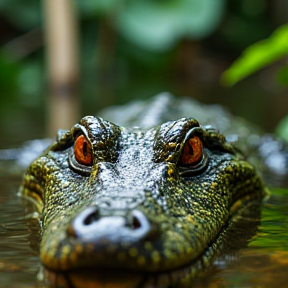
[191, 152]
[85, 146]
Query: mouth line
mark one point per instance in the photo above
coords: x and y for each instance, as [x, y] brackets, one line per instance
[102, 277]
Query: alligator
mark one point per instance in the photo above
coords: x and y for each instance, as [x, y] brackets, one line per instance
[132, 203]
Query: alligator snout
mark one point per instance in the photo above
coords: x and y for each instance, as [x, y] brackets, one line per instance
[90, 226]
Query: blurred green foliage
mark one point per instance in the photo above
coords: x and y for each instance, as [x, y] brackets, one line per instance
[258, 56]
[24, 15]
[130, 49]
[125, 34]
[157, 25]
[282, 128]
[8, 74]
[115, 34]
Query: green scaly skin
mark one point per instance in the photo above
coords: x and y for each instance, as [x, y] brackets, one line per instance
[188, 208]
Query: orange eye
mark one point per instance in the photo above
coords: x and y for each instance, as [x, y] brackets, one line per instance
[192, 152]
[83, 151]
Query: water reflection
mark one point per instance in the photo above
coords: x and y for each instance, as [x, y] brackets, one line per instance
[262, 263]
[19, 264]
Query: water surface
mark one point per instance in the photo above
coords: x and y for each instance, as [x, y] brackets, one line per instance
[19, 264]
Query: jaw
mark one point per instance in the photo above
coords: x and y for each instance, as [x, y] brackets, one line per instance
[155, 253]
[94, 279]
[125, 277]
[111, 277]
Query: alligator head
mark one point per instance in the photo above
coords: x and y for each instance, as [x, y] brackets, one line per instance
[117, 199]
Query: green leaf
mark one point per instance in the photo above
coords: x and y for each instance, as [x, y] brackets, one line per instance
[258, 56]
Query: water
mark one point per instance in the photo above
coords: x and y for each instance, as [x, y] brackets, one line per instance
[263, 263]
[18, 262]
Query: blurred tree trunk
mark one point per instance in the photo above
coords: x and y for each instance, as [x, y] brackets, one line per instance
[62, 63]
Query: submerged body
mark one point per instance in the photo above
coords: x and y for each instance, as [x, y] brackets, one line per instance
[149, 200]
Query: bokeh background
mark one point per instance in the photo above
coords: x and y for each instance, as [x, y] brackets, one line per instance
[135, 49]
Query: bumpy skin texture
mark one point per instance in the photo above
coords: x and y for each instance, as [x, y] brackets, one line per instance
[137, 208]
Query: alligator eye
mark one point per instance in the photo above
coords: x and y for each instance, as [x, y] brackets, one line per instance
[192, 152]
[83, 151]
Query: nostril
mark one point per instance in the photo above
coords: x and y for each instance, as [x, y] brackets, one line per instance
[91, 218]
[136, 220]
[141, 224]
[136, 224]
[91, 225]
[82, 221]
